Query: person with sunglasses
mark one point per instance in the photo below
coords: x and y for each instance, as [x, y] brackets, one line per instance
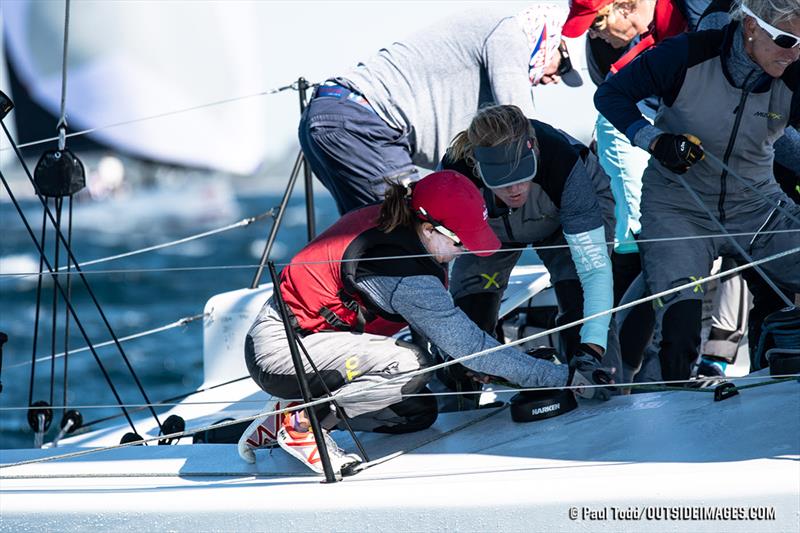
[736, 89]
[787, 148]
[546, 189]
[730, 314]
[378, 269]
[397, 110]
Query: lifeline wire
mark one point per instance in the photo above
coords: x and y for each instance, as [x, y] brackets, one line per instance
[162, 115]
[180, 322]
[660, 385]
[240, 224]
[387, 258]
[429, 369]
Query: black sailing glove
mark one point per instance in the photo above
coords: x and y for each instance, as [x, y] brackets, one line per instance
[586, 373]
[677, 152]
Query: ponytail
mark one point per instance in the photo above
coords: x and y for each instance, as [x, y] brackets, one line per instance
[396, 208]
[460, 148]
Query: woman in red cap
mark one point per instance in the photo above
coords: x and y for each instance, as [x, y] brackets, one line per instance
[376, 270]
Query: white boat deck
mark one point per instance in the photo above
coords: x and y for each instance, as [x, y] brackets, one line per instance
[646, 453]
[471, 470]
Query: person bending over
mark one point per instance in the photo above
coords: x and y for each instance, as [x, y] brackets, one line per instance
[542, 188]
[346, 301]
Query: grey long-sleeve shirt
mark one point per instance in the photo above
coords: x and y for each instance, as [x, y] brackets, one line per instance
[428, 308]
[430, 84]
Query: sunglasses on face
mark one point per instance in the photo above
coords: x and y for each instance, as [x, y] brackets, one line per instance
[780, 38]
[438, 227]
[599, 23]
[450, 235]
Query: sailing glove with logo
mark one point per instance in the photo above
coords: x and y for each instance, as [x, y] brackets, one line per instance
[677, 152]
[586, 373]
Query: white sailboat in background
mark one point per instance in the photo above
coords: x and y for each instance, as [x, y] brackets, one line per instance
[625, 465]
[5, 146]
[167, 56]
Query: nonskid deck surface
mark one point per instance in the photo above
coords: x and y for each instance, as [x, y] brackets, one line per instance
[471, 470]
[665, 448]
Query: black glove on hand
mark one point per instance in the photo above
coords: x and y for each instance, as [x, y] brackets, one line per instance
[585, 369]
[677, 152]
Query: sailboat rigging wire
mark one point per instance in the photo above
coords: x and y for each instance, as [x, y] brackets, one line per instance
[62, 121]
[57, 204]
[760, 381]
[37, 312]
[177, 435]
[752, 189]
[386, 258]
[66, 311]
[71, 309]
[421, 371]
[60, 238]
[165, 402]
[276, 90]
[745, 255]
[178, 323]
[240, 224]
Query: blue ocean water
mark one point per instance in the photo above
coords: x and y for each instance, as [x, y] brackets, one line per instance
[137, 295]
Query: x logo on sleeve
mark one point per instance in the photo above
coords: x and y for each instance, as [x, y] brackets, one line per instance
[698, 285]
[491, 280]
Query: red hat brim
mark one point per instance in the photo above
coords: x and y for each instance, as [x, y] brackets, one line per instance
[481, 241]
[578, 24]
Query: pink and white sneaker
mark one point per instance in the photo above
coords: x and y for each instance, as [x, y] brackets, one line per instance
[262, 432]
[303, 446]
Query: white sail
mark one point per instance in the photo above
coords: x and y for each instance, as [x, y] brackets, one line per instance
[129, 60]
[5, 86]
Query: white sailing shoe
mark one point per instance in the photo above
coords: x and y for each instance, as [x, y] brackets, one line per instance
[261, 433]
[303, 446]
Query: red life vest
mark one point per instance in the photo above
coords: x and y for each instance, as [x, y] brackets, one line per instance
[668, 21]
[318, 285]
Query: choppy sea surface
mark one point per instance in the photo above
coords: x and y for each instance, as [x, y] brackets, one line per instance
[137, 293]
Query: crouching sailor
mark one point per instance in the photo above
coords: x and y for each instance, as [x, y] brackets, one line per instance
[545, 189]
[346, 302]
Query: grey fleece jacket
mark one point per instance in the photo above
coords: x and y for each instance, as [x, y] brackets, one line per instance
[430, 84]
[428, 307]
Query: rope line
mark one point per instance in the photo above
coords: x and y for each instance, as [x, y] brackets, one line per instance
[384, 258]
[655, 385]
[84, 427]
[421, 371]
[767, 200]
[181, 434]
[742, 252]
[62, 121]
[240, 224]
[180, 322]
[276, 90]
[57, 284]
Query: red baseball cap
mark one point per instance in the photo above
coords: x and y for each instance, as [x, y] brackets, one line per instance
[581, 15]
[449, 199]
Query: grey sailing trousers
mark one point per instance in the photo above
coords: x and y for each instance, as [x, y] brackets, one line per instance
[346, 362]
